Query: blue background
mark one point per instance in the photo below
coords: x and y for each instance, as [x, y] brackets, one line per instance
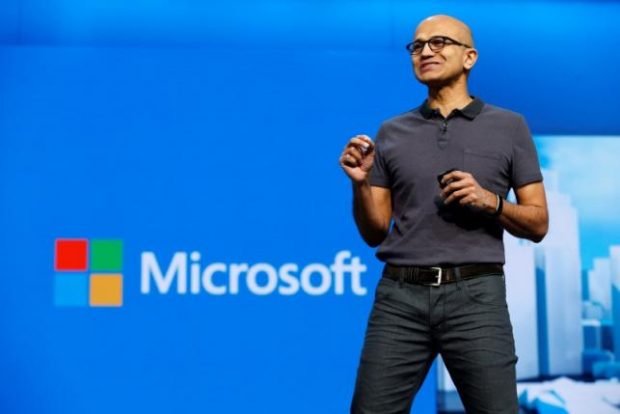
[188, 125]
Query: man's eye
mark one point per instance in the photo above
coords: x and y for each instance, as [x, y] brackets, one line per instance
[436, 42]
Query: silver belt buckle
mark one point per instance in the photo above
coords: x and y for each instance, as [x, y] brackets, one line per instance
[438, 276]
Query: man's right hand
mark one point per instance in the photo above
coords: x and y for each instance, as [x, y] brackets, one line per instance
[357, 158]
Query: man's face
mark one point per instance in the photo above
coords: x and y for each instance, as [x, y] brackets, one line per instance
[447, 64]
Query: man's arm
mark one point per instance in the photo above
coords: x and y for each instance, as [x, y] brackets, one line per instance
[372, 206]
[372, 209]
[528, 218]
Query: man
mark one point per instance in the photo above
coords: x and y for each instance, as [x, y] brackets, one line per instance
[443, 290]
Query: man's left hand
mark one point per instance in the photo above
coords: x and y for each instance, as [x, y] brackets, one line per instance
[462, 187]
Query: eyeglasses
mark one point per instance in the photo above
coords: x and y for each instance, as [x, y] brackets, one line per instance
[435, 43]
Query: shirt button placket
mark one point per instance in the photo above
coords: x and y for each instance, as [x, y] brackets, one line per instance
[442, 140]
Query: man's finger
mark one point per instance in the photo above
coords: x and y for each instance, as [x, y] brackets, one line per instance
[349, 161]
[353, 153]
[457, 195]
[455, 175]
[455, 185]
[462, 187]
[362, 145]
[466, 201]
[365, 138]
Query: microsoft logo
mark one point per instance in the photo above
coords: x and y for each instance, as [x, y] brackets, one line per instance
[88, 273]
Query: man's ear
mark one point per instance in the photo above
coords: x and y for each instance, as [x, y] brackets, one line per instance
[470, 58]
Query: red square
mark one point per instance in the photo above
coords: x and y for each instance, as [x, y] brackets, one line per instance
[71, 255]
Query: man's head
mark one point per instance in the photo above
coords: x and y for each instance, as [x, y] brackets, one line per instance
[435, 65]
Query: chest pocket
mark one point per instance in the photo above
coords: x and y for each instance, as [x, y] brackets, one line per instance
[488, 168]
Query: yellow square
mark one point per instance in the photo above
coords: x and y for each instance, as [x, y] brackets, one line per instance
[106, 289]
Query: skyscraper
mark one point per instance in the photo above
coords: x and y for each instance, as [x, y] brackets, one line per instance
[558, 281]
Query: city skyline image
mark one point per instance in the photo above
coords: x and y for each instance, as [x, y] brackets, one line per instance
[564, 293]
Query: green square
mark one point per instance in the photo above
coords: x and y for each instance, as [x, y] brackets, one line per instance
[106, 255]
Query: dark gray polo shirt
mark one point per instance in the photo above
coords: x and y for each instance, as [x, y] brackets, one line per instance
[491, 143]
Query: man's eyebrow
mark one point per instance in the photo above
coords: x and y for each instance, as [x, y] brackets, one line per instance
[424, 40]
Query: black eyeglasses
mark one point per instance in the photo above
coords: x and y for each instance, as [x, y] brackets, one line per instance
[436, 43]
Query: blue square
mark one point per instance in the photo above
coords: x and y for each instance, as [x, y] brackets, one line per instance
[71, 289]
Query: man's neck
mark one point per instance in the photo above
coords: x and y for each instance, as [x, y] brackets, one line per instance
[448, 98]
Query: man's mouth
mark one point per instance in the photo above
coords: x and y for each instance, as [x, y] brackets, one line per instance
[428, 66]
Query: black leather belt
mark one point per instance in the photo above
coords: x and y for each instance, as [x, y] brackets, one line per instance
[435, 276]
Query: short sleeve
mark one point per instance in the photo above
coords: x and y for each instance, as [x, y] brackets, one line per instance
[380, 175]
[525, 166]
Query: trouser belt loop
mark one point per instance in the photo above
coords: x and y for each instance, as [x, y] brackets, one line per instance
[457, 275]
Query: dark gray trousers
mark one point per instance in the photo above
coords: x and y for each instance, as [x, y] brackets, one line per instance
[466, 322]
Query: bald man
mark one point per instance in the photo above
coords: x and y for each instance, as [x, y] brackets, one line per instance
[431, 193]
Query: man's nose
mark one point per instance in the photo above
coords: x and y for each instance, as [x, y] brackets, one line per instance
[426, 50]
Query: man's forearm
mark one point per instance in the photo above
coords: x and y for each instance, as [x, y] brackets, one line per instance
[371, 224]
[526, 221]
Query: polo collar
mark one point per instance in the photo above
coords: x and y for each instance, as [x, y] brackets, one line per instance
[470, 111]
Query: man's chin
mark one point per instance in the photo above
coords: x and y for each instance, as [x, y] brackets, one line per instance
[434, 81]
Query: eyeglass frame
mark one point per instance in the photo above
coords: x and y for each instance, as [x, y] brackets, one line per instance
[446, 42]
